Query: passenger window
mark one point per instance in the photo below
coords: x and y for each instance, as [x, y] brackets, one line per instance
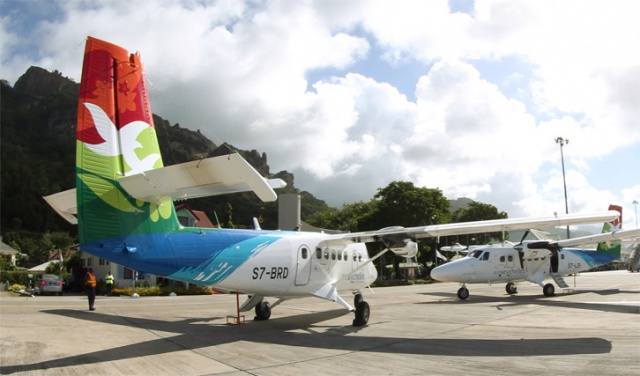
[502, 258]
[304, 253]
[359, 258]
[345, 256]
[333, 254]
[318, 253]
[326, 254]
[510, 258]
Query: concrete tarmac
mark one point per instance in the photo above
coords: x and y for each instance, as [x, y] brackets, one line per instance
[413, 330]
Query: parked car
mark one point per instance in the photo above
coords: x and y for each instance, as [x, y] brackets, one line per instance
[49, 284]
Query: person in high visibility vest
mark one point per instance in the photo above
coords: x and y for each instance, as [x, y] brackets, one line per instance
[90, 283]
[109, 282]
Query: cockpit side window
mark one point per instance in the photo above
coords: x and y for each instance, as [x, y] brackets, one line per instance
[485, 256]
[475, 254]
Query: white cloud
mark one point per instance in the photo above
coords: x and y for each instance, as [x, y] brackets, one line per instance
[238, 71]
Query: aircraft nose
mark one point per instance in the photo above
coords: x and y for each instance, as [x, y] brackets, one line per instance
[442, 273]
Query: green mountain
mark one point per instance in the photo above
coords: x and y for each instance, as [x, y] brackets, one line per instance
[37, 135]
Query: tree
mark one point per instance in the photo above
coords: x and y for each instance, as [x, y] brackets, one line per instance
[404, 204]
[352, 217]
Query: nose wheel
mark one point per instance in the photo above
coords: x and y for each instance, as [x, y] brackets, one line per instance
[463, 293]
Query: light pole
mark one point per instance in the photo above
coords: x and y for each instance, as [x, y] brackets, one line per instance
[635, 210]
[562, 141]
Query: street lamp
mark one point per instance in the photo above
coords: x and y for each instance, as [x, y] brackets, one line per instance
[635, 209]
[562, 141]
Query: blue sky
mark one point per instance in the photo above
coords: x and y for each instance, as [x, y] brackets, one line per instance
[464, 96]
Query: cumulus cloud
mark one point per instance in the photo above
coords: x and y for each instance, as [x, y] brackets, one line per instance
[500, 83]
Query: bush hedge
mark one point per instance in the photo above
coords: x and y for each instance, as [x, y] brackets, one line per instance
[161, 291]
[20, 277]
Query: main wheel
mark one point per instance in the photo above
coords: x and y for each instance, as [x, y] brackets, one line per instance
[362, 314]
[463, 293]
[263, 311]
[548, 289]
[511, 288]
[357, 298]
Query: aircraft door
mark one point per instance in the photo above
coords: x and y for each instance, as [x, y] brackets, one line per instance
[303, 266]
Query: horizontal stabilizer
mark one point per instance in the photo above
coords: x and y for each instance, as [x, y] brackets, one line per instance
[64, 203]
[202, 178]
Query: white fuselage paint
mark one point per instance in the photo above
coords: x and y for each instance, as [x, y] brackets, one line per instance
[301, 265]
[501, 264]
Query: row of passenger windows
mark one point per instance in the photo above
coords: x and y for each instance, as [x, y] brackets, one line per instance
[482, 255]
[332, 254]
[510, 258]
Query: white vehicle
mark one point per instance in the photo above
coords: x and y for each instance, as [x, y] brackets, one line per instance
[534, 261]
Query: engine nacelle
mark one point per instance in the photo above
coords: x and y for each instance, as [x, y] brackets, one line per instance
[409, 250]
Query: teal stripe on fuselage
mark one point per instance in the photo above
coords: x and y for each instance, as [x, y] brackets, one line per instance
[203, 257]
[593, 258]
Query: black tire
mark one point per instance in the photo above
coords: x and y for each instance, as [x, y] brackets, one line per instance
[511, 288]
[263, 311]
[362, 314]
[463, 293]
[357, 298]
[548, 290]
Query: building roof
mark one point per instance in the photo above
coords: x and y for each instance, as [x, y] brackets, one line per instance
[6, 249]
[201, 218]
[42, 267]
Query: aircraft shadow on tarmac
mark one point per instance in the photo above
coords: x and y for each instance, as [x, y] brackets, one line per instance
[511, 300]
[299, 331]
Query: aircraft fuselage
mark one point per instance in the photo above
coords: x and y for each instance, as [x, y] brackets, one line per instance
[273, 263]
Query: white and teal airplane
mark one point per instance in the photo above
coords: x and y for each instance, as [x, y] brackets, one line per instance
[534, 261]
[123, 205]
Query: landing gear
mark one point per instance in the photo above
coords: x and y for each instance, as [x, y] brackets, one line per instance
[463, 293]
[511, 288]
[263, 311]
[548, 290]
[362, 310]
[362, 313]
[357, 298]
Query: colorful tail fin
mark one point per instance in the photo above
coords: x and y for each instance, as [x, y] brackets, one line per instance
[115, 137]
[612, 248]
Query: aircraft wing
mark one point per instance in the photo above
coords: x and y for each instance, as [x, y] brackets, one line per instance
[207, 177]
[599, 238]
[64, 203]
[476, 227]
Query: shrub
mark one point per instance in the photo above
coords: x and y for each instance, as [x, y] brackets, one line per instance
[19, 276]
[161, 291]
[17, 287]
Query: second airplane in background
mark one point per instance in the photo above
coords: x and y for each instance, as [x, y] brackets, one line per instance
[534, 261]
